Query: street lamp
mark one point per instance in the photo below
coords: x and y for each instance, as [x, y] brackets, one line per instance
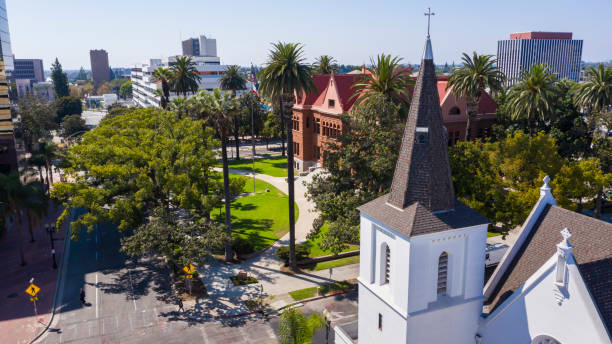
[50, 228]
[327, 317]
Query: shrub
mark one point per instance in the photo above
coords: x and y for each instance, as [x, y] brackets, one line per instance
[301, 251]
[243, 246]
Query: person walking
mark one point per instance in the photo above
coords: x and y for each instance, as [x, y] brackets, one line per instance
[82, 296]
[180, 304]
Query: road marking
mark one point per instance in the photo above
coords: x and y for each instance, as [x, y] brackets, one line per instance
[132, 287]
[97, 308]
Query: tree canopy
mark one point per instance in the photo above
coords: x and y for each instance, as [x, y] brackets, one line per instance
[66, 106]
[60, 80]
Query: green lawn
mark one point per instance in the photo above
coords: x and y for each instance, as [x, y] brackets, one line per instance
[273, 166]
[492, 234]
[336, 263]
[317, 251]
[261, 218]
[305, 293]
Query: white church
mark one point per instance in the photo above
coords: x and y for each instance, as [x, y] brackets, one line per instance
[422, 265]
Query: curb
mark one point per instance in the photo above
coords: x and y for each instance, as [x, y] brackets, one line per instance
[59, 286]
[314, 298]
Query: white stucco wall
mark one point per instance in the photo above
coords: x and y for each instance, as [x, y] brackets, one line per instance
[533, 310]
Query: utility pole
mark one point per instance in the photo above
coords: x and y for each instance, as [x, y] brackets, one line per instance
[253, 143]
[50, 229]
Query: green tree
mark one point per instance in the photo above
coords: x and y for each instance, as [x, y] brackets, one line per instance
[218, 108]
[469, 81]
[296, 328]
[285, 75]
[126, 89]
[37, 120]
[105, 88]
[596, 93]
[60, 80]
[532, 96]
[180, 106]
[232, 80]
[66, 106]
[73, 124]
[132, 163]
[325, 64]
[388, 78]
[82, 75]
[360, 167]
[185, 76]
[48, 150]
[164, 76]
[272, 127]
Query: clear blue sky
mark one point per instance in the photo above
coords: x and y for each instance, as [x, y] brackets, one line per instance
[351, 31]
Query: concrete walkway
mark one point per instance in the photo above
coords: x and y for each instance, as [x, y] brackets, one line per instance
[266, 267]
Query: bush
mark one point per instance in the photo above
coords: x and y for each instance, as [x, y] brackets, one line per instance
[243, 246]
[301, 251]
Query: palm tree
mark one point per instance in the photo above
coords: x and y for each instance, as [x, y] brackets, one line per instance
[295, 328]
[470, 80]
[164, 76]
[285, 75]
[386, 78]
[596, 93]
[39, 162]
[185, 76]
[532, 96]
[325, 64]
[179, 105]
[217, 108]
[48, 150]
[232, 80]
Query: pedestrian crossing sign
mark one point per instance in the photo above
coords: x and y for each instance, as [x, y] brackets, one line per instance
[189, 276]
[32, 289]
[189, 269]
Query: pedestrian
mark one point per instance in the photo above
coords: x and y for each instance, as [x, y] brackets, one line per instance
[180, 304]
[82, 296]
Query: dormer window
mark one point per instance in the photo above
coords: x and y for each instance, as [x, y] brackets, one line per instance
[331, 103]
[422, 135]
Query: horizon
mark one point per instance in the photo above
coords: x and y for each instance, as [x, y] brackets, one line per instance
[140, 29]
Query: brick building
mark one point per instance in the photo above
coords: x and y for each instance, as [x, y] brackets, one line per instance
[316, 116]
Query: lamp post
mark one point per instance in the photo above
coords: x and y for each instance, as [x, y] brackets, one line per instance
[327, 317]
[253, 144]
[50, 228]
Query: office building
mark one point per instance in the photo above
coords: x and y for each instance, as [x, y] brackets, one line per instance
[8, 155]
[27, 73]
[100, 70]
[556, 49]
[200, 46]
[210, 70]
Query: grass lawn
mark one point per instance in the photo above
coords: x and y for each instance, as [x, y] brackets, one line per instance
[492, 234]
[305, 293]
[336, 263]
[273, 166]
[261, 218]
[315, 249]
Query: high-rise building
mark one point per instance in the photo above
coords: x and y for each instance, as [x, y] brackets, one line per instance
[556, 49]
[8, 155]
[100, 70]
[27, 73]
[200, 46]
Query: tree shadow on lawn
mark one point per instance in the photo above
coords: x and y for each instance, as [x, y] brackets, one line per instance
[258, 232]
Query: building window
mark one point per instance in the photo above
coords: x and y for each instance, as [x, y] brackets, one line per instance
[442, 273]
[331, 103]
[387, 265]
[380, 321]
[317, 152]
[454, 111]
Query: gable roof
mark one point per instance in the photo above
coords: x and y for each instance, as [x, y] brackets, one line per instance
[592, 242]
[321, 82]
[344, 86]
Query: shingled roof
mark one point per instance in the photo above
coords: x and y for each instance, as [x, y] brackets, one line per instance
[422, 198]
[592, 242]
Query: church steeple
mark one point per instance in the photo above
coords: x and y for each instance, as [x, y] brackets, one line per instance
[422, 173]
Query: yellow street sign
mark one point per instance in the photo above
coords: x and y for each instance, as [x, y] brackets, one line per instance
[32, 290]
[34, 298]
[189, 269]
[189, 276]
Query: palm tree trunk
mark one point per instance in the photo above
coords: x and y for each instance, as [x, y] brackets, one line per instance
[30, 226]
[236, 138]
[40, 174]
[50, 171]
[472, 110]
[291, 188]
[282, 131]
[207, 213]
[229, 254]
[20, 238]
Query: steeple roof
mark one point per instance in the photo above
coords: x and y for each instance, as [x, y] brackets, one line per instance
[422, 173]
[422, 198]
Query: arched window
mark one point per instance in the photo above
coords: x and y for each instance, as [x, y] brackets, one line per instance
[454, 111]
[442, 273]
[544, 339]
[387, 275]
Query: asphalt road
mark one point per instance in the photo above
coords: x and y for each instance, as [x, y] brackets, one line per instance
[126, 301]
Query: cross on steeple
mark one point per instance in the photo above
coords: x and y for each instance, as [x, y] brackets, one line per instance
[429, 14]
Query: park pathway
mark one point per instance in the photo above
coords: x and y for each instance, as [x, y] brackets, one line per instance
[266, 267]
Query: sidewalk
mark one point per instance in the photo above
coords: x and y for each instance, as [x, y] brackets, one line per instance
[225, 298]
[18, 324]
